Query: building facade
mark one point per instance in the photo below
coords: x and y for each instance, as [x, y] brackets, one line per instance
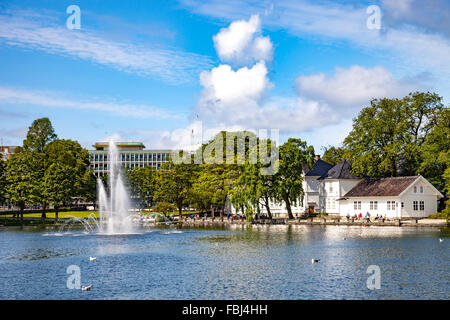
[131, 155]
[336, 190]
[6, 151]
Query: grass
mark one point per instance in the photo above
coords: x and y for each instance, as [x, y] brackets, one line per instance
[65, 214]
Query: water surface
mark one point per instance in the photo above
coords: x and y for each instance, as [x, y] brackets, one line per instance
[259, 262]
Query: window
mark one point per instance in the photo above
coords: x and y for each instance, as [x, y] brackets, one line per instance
[355, 205]
[421, 189]
[415, 189]
[371, 205]
[415, 206]
[331, 187]
[375, 205]
[403, 205]
[422, 205]
[140, 156]
[145, 157]
[388, 205]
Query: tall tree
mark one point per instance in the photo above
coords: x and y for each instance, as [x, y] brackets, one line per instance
[143, 184]
[40, 133]
[294, 154]
[174, 184]
[2, 180]
[387, 136]
[254, 188]
[20, 181]
[67, 163]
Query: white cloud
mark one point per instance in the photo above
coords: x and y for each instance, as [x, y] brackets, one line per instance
[222, 86]
[40, 32]
[56, 100]
[407, 45]
[241, 43]
[354, 87]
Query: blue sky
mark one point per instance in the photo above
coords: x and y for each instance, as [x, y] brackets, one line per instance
[156, 71]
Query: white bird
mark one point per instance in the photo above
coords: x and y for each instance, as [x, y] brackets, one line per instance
[441, 240]
[86, 288]
[92, 258]
[315, 260]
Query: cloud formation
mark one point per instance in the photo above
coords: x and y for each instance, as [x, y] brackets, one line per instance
[56, 100]
[353, 87]
[242, 44]
[40, 32]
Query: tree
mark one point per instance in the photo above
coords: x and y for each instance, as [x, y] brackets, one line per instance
[143, 184]
[333, 155]
[254, 188]
[387, 136]
[66, 166]
[294, 154]
[40, 133]
[214, 185]
[89, 187]
[20, 181]
[2, 180]
[174, 184]
[435, 153]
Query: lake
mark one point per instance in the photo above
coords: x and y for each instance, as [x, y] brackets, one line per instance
[258, 262]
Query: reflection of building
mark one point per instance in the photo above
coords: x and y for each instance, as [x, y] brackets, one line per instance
[6, 151]
[131, 155]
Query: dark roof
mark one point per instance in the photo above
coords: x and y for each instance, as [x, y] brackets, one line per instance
[381, 187]
[343, 170]
[320, 168]
[305, 168]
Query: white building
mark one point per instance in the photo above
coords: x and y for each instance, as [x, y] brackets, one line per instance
[336, 190]
[397, 197]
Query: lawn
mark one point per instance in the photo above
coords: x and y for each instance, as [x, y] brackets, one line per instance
[65, 214]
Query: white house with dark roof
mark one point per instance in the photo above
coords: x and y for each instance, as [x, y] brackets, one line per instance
[336, 190]
[395, 197]
[334, 185]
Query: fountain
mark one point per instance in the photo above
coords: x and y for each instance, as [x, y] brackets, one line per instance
[113, 207]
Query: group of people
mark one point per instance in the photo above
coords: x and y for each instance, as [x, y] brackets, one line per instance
[367, 217]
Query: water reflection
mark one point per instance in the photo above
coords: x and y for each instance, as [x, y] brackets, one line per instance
[257, 262]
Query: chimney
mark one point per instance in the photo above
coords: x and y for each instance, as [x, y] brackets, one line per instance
[317, 157]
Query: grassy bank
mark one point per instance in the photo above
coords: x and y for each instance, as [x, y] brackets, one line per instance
[65, 214]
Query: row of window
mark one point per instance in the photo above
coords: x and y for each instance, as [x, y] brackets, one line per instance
[133, 157]
[390, 205]
[420, 188]
[131, 165]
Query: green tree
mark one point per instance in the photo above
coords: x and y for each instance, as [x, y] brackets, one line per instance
[2, 180]
[387, 136]
[294, 154]
[333, 155]
[214, 185]
[143, 184]
[255, 188]
[67, 164]
[174, 184]
[20, 181]
[40, 133]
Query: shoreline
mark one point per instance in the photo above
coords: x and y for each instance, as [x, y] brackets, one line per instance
[217, 222]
